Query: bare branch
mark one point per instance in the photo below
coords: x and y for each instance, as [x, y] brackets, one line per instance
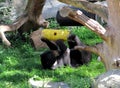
[98, 9]
[81, 18]
[87, 48]
[12, 27]
[19, 22]
[42, 22]
[2, 35]
[97, 49]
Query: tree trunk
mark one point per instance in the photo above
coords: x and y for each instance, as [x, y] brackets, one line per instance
[30, 19]
[111, 54]
[109, 50]
[35, 19]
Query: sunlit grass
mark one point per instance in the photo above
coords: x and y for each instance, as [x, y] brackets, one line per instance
[21, 62]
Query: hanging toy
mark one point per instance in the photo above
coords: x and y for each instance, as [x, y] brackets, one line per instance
[54, 34]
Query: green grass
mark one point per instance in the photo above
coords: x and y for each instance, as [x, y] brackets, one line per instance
[20, 62]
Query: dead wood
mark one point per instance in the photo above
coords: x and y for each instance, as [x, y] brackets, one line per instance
[98, 9]
[35, 40]
[81, 18]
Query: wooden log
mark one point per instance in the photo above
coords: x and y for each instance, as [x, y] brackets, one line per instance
[36, 42]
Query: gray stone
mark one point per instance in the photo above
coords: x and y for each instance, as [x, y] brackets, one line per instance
[51, 7]
[110, 79]
[46, 84]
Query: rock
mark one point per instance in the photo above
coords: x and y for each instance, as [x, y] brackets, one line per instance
[110, 79]
[46, 84]
[51, 7]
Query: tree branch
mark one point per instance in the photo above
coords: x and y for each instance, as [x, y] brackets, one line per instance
[42, 22]
[98, 9]
[32, 15]
[12, 27]
[81, 18]
[97, 49]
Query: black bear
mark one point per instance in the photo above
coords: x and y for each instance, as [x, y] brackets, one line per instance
[57, 56]
[78, 57]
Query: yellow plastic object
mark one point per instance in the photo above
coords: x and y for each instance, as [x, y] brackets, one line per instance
[54, 34]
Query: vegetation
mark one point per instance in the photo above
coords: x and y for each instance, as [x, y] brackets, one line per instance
[20, 62]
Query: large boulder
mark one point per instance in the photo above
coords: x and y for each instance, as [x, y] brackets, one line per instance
[51, 7]
[110, 79]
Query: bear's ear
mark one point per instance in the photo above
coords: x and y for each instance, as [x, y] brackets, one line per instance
[72, 42]
[50, 44]
[62, 47]
[71, 37]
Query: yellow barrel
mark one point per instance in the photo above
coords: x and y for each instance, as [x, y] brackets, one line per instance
[54, 34]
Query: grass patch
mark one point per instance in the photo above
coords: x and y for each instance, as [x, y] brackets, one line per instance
[21, 62]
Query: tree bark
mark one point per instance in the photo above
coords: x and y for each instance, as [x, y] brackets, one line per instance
[98, 9]
[109, 50]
